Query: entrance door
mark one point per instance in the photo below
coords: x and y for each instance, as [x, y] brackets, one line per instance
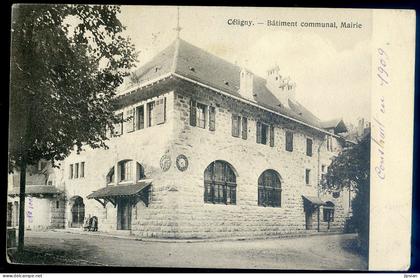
[124, 215]
[77, 213]
[308, 219]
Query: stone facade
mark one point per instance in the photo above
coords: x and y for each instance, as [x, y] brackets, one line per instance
[177, 208]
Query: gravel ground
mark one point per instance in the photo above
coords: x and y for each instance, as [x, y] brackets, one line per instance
[332, 252]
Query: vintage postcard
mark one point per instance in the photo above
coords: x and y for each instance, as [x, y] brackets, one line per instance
[211, 137]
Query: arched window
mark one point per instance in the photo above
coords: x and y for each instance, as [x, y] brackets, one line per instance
[220, 183]
[269, 189]
[328, 212]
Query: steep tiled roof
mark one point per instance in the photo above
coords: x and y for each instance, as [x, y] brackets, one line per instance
[191, 62]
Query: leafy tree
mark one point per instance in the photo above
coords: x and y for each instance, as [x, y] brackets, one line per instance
[351, 170]
[66, 63]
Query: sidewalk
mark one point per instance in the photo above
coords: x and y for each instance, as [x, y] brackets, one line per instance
[129, 236]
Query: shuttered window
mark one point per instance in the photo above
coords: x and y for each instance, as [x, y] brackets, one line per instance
[140, 117]
[244, 128]
[308, 147]
[201, 115]
[271, 136]
[212, 118]
[236, 121]
[289, 141]
[193, 113]
[130, 120]
[262, 133]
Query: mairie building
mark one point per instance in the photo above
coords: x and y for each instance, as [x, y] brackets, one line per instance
[207, 149]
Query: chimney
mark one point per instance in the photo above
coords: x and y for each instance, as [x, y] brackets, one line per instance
[246, 86]
[282, 88]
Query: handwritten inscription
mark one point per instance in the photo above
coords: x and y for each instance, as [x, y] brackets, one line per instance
[378, 133]
[29, 214]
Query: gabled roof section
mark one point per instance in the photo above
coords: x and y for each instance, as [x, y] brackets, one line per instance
[191, 62]
[337, 124]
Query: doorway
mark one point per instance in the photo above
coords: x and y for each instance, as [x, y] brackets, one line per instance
[77, 213]
[123, 214]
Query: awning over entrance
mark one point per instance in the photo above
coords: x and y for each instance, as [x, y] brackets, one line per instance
[313, 200]
[112, 193]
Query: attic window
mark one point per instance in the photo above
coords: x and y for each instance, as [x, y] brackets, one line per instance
[192, 69]
[226, 83]
[157, 68]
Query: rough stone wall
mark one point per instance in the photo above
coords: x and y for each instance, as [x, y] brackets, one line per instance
[145, 146]
[197, 219]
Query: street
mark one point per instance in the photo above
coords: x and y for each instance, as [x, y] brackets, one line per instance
[314, 252]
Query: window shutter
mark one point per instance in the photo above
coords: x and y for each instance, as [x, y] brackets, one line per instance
[271, 136]
[244, 128]
[259, 127]
[193, 113]
[130, 121]
[212, 118]
[235, 125]
[160, 110]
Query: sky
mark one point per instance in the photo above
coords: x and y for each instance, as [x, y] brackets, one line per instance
[331, 66]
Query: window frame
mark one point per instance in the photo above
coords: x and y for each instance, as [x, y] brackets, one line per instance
[289, 142]
[267, 191]
[308, 177]
[225, 187]
[309, 147]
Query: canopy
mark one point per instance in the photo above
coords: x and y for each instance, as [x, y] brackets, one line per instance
[111, 193]
[314, 200]
[36, 190]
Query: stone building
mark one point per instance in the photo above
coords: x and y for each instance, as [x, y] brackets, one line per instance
[207, 149]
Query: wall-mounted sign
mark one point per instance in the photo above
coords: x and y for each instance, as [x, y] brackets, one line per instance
[182, 162]
[165, 162]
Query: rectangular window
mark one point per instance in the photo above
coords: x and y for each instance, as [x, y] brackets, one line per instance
[71, 171]
[308, 147]
[289, 141]
[201, 115]
[307, 176]
[82, 169]
[244, 128]
[212, 118]
[57, 204]
[140, 117]
[76, 170]
[262, 133]
[329, 143]
[236, 123]
[125, 171]
[151, 114]
[328, 214]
